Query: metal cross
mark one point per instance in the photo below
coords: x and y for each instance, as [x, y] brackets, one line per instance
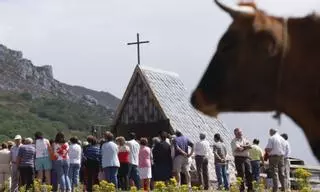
[138, 46]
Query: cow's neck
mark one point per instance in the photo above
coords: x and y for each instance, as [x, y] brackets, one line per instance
[302, 59]
[301, 78]
[300, 71]
[309, 122]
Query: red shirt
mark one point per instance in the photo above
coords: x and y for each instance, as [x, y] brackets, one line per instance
[123, 155]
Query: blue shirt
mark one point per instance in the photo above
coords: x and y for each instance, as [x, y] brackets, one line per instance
[92, 153]
[109, 151]
[182, 142]
[27, 154]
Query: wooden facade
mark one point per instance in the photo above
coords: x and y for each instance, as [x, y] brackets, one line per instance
[140, 112]
[139, 107]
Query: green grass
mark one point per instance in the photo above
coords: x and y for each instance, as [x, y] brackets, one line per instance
[20, 114]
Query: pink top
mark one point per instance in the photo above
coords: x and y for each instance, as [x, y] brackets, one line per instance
[144, 157]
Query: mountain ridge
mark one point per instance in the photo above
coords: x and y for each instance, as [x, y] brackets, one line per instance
[18, 74]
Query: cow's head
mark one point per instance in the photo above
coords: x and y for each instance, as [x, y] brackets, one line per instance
[247, 58]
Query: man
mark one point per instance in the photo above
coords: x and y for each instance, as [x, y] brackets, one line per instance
[42, 161]
[287, 160]
[134, 159]
[201, 151]
[14, 169]
[256, 156]
[276, 148]
[220, 154]
[181, 157]
[110, 161]
[25, 162]
[240, 148]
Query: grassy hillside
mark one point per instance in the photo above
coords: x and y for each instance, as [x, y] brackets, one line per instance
[20, 114]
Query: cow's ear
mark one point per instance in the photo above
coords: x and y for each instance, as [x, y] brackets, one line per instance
[269, 31]
[266, 43]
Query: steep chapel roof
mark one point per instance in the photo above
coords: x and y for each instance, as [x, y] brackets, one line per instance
[173, 99]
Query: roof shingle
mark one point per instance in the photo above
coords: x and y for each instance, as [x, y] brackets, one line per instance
[174, 101]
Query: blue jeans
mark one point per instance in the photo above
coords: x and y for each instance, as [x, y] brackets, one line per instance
[74, 172]
[134, 175]
[255, 166]
[221, 172]
[54, 179]
[62, 172]
[111, 175]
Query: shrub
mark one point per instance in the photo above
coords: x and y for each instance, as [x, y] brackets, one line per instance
[26, 96]
[302, 177]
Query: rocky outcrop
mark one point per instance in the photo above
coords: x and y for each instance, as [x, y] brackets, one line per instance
[104, 98]
[20, 75]
[90, 100]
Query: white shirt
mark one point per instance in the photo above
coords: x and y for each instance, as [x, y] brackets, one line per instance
[134, 149]
[239, 142]
[287, 150]
[42, 148]
[109, 152]
[277, 144]
[75, 152]
[202, 148]
[14, 153]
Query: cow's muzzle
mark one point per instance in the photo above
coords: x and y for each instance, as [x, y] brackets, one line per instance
[201, 103]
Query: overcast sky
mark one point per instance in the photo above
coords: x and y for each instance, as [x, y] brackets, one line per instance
[85, 42]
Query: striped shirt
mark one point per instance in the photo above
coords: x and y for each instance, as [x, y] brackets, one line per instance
[27, 154]
[92, 153]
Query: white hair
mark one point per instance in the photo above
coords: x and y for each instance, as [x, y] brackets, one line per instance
[28, 140]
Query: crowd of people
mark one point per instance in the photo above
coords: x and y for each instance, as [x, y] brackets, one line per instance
[65, 163]
[250, 159]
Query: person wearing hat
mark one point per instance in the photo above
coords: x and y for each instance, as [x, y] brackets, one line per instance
[25, 162]
[13, 158]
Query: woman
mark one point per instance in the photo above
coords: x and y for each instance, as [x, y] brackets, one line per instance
[83, 168]
[75, 161]
[110, 161]
[145, 163]
[42, 161]
[4, 165]
[162, 159]
[92, 156]
[61, 148]
[123, 155]
[54, 176]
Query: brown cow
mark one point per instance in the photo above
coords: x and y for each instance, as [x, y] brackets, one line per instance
[266, 63]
